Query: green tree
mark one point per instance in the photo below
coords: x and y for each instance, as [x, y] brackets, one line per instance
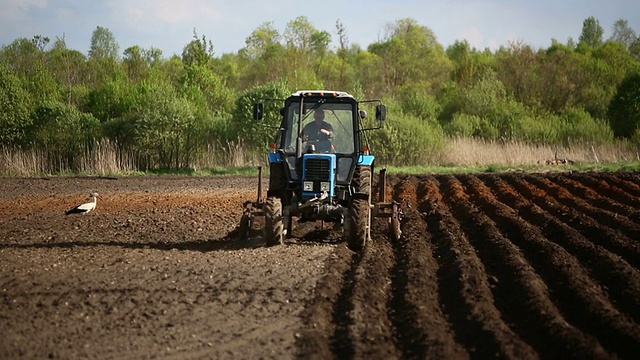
[560, 74]
[103, 44]
[15, 108]
[134, 63]
[64, 132]
[623, 34]
[262, 58]
[302, 41]
[343, 55]
[198, 51]
[624, 110]
[410, 56]
[258, 135]
[112, 99]
[26, 59]
[202, 86]
[162, 126]
[260, 41]
[518, 67]
[592, 33]
[69, 69]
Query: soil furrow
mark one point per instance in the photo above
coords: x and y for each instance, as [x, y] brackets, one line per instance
[521, 295]
[371, 325]
[628, 182]
[611, 213]
[613, 273]
[583, 302]
[423, 329]
[326, 319]
[607, 187]
[599, 226]
[465, 284]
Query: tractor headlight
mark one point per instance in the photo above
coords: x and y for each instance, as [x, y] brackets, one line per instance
[307, 186]
[325, 186]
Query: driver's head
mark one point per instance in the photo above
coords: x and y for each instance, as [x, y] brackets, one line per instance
[318, 116]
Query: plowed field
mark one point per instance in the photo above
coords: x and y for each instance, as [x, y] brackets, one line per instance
[504, 265]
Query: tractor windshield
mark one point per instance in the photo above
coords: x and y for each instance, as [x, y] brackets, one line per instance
[328, 127]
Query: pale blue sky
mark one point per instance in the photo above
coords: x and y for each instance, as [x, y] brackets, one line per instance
[168, 24]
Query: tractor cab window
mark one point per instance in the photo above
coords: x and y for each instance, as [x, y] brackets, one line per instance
[326, 127]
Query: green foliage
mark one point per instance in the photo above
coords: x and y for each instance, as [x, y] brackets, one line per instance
[103, 44]
[411, 57]
[466, 125]
[164, 127]
[171, 113]
[198, 52]
[579, 125]
[421, 105]
[64, 131]
[207, 90]
[112, 100]
[407, 140]
[257, 135]
[624, 110]
[623, 34]
[468, 64]
[483, 110]
[591, 32]
[15, 108]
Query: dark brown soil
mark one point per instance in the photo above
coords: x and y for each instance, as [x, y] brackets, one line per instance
[507, 265]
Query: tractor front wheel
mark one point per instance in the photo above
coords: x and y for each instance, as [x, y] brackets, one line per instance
[273, 224]
[358, 231]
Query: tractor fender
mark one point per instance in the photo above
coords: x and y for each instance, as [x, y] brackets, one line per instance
[275, 157]
[366, 160]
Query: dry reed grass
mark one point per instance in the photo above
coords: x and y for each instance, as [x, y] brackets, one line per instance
[105, 157]
[473, 152]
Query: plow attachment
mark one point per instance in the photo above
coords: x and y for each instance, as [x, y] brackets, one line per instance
[250, 210]
[385, 209]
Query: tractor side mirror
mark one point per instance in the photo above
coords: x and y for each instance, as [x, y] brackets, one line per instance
[258, 111]
[381, 112]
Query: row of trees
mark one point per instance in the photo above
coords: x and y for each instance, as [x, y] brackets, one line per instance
[169, 111]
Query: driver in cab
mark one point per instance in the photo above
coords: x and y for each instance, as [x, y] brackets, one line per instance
[318, 130]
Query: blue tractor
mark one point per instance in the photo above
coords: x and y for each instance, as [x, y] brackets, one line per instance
[321, 169]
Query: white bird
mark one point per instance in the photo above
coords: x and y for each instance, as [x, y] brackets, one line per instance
[86, 207]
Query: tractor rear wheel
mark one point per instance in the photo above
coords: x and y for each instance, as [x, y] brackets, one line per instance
[273, 225]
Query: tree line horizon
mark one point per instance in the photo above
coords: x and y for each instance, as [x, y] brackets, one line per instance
[169, 112]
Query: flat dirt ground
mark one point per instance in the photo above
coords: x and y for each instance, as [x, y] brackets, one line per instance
[503, 265]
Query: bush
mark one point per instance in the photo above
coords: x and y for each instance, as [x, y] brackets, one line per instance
[64, 131]
[15, 108]
[257, 135]
[408, 140]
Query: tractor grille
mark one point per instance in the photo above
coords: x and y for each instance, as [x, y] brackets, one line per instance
[317, 169]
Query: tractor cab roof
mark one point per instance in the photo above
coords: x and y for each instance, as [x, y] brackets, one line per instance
[321, 93]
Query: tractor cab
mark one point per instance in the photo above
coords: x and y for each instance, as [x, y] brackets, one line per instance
[319, 142]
